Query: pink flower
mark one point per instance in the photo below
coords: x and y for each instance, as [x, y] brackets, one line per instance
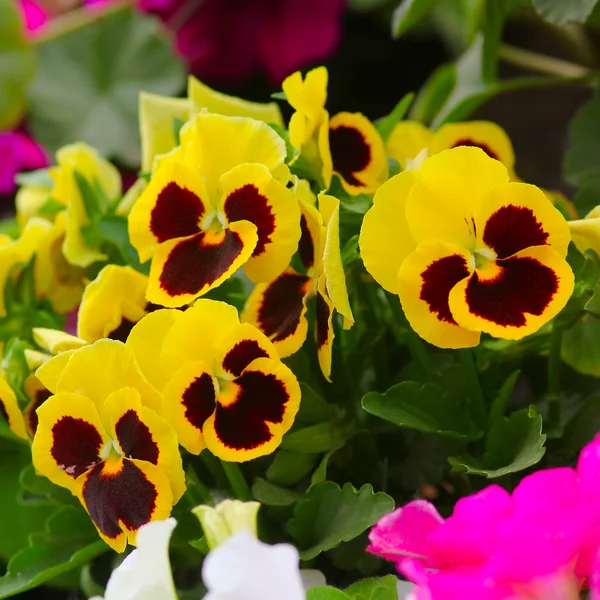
[227, 40]
[541, 542]
[18, 152]
[34, 15]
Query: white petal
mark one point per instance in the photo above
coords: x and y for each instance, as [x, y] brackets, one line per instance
[244, 568]
[312, 578]
[146, 573]
[405, 589]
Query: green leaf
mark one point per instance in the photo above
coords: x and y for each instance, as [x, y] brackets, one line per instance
[278, 96]
[94, 199]
[51, 207]
[88, 82]
[386, 125]
[289, 468]
[69, 541]
[409, 13]
[433, 94]
[314, 439]
[584, 426]
[350, 251]
[560, 12]
[13, 363]
[498, 407]
[17, 63]
[273, 495]
[426, 408]
[39, 178]
[513, 444]
[581, 165]
[374, 588]
[331, 515]
[580, 348]
[320, 474]
[178, 123]
[313, 408]
[325, 592]
[10, 227]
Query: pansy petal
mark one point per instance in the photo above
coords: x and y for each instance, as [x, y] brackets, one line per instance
[324, 151]
[111, 304]
[69, 439]
[250, 193]
[206, 139]
[312, 237]
[171, 207]
[37, 394]
[98, 370]
[407, 139]
[357, 153]
[240, 346]
[189, 399]
[529, 289]
[385, 240]
[516, 216]
[260, 408]
[9, 409]
[142, 434]
[34, 358]
[203, 97]
[487, 136]
[278, 309]
[324, 328]
[106, 491]
[332, 259]
[307, 96]
[425, 280]
[56, 341]
[585, 234]
[157, 129]
[186, 268]
[146, 340]
[441, 204]
[49, 372]
[196, 332]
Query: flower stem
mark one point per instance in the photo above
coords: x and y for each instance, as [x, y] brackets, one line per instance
[554, 377]
[533, 61]
[74, 20]
[237, 480]
[415, 344]
[476, 392]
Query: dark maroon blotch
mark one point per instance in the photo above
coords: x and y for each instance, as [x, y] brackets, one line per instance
[199, 400]
[241, 355]
[438, 280]
[176, 213]
[306, 245]
[125, 496]
[524, 286]
[135, 438]
[243, 424]
[76, 445]
[32, 418]
[121, 333]
[512, 229]
[474, 144]
[323, 313]
[282, 305]
[248, 204]
[350, 152]
[193, 264]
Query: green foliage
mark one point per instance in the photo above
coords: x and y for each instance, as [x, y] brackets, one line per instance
[580, 345]
[325, 592]
[17, 63]
[409, 13]
[426, 408]
[270, 494]
[560, 12]
[374, 588]
[386, 125]
[331, 515]
[513, 444]
[88, 82]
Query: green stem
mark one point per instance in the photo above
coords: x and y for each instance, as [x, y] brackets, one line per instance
[541, 63]
[416, 345]
[74, 20]
[474, 385]
[237, 480]
[554, 377]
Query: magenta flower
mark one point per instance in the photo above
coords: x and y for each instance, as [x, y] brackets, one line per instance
[227, 40]
[34, 15]
[18, 152]
[541, 542]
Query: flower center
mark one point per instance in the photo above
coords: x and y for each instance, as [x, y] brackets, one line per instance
[482, 258]
[110, 450]
[215, 221]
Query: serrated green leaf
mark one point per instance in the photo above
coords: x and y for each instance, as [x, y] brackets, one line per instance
[289, 468]
[89, 80]
[409, 13]
[513, 444]
[17, 63]
[325, 592]
[273, 495]
[561, 12]
[427, 408]
[374, 588]
[331, 515]
[68, 541]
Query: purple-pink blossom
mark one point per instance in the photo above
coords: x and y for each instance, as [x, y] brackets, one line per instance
[18, 152]
[540, 542]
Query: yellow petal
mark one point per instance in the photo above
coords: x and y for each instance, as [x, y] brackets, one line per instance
[56, 341]
[407, 140]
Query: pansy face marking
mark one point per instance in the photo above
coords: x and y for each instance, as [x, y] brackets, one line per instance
[119, 458]
[206, 213]
[478, 254]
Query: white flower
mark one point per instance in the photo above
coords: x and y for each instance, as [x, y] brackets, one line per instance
[244, 568]
[146, 573]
